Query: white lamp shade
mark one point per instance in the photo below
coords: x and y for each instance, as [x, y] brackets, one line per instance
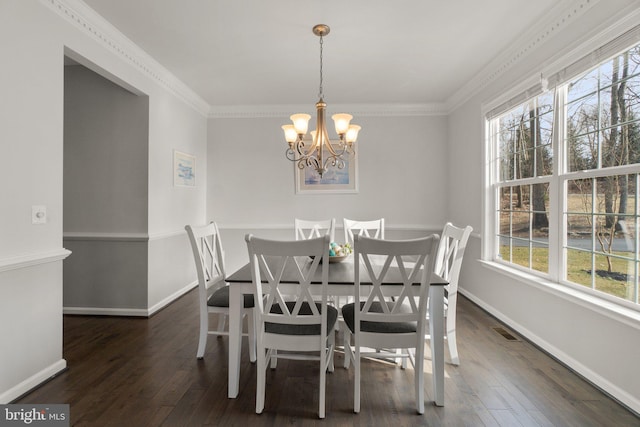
[300, 123]
[352, 133]
[290, 134]
[342, 122]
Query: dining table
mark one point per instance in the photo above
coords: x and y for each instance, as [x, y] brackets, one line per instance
[340, 283]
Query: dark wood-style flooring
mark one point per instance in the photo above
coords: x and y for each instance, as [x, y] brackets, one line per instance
[143, 372]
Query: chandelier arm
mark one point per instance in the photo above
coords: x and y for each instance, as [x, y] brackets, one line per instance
[341, 146]
[300, 148]
[322, 153]
[334, 161]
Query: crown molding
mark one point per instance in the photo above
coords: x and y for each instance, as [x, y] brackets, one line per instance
[360, 110]
[89, 22]
[554, 21]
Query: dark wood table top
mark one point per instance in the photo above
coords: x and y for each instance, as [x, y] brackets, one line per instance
[340, 273]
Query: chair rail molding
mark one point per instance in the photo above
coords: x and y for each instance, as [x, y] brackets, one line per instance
[33, 259]
[100, 236]
[399, 227]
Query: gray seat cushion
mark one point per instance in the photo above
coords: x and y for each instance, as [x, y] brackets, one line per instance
[348, 314]
[278, 328]
[220, 298]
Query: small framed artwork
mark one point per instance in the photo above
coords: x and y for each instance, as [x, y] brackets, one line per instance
[333, 181]
[184, 169]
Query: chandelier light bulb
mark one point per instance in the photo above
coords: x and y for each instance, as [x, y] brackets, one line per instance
[352, 134]
[290, 134]
[342, 122]
[301, 123]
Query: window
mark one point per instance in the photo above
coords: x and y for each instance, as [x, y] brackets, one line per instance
[566, 181]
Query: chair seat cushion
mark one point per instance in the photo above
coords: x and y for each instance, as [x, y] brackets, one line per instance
[220, 298]
[348, 314]
[279, 328]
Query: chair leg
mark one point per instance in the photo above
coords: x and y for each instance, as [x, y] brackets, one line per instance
[251, 326]
[453, 347]
[204, 332]
[222, 321]
[323, 386]
[450, 324]
[274, 359]
[332, 346]
[261, 378]
[346, 340]
[356, 382]
[419, 377]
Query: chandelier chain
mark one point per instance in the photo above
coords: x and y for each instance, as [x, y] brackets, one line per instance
[320, 93]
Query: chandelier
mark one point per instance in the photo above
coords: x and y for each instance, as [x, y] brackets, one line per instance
[319, 152]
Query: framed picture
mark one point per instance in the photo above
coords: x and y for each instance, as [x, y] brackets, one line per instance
[184, 169]
[334, 180]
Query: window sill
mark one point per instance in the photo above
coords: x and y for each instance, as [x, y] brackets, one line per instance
[601, 306]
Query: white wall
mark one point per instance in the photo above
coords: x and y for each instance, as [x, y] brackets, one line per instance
[597, 343]
[35, 37]
[251, 183]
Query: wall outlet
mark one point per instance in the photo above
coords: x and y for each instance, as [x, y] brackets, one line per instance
[38, 214]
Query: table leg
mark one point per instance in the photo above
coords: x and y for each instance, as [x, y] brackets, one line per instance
[436, 330]
[235, 339]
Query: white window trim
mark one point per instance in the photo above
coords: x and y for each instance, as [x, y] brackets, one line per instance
[622, 33]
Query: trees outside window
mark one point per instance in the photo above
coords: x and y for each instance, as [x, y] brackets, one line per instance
[591, 125]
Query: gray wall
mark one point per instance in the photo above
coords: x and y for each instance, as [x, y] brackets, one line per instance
[106, 139]
[251, 183]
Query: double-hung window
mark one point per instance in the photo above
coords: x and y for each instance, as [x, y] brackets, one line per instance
[564, 200]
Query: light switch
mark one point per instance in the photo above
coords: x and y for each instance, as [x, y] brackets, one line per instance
[38, 214]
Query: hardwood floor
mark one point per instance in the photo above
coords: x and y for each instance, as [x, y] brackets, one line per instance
[144, 372]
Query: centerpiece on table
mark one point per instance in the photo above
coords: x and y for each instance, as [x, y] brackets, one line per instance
[338, 253]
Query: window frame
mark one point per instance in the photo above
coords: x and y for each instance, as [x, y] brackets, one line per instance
[558, 188]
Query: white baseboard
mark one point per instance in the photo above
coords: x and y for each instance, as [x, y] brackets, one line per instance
[100, 311]
[32, 382]
[632, 402]
[168, 300]
[136, 312]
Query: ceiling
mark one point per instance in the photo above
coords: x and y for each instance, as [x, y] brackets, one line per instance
[256, 52]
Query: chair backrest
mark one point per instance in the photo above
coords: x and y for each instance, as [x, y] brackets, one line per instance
[453, 242]
[373, 228]
[405, 262]
[274, 263]
[306, 229]
[208, 255]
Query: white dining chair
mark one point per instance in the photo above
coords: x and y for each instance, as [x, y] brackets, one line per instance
[308, 229]
[453, 242]
[376, 322]
[297, 329]
[213, 291]
[370, 228]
